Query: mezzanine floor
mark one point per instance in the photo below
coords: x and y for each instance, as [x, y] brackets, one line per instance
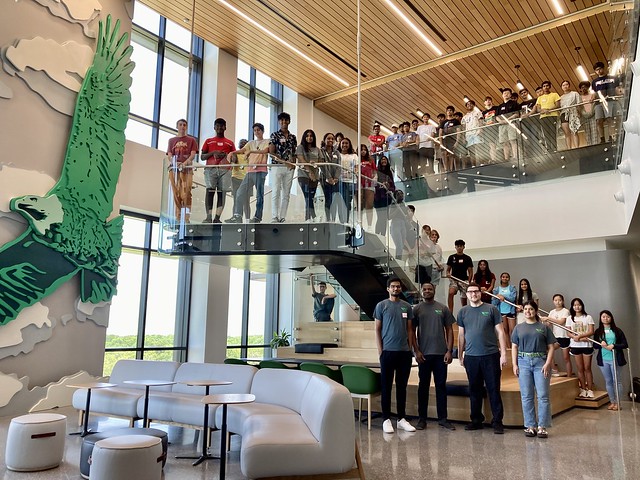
[583, 444]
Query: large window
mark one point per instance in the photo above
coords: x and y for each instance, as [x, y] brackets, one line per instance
[166, 80]
[253, 313]
[148, 316]
[259, 99]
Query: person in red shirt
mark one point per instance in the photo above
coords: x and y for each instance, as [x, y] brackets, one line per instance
[376, 141]
[181, 151]
[217, 179]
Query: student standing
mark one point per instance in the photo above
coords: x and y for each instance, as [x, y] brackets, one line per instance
[581, 349]
[393, 328]
[610, 355]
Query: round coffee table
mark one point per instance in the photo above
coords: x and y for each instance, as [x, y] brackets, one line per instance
[88, 386]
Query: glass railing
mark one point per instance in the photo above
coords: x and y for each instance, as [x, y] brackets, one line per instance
[528, 148]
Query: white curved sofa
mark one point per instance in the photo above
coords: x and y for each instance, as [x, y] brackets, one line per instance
[300, 424]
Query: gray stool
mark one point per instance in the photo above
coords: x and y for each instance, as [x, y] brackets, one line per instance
[89, 442]
[35, 442]
[127, 457]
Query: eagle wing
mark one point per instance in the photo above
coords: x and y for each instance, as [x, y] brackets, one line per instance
[93, 159]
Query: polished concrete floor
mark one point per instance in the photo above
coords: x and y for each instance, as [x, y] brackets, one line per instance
[583, 444]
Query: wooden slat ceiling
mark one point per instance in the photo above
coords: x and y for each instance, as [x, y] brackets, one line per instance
[389, 46]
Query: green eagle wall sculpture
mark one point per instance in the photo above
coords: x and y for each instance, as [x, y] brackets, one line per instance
[68, 232]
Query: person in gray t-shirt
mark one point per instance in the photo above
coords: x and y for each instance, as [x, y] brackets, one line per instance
[393, 327]
[433, 346]
[482, 350]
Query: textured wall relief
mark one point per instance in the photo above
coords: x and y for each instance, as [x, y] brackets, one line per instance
[69, 229]
[9, 386]
[38, 61]
[59, 395]
[30, 327]
[82, 12]
[5, 90]
[14, 181]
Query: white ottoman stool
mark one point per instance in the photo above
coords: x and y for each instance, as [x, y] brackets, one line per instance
[127, 457]
[35, 442]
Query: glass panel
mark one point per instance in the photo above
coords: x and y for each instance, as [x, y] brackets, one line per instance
[236, 299]
[133, 232]
[244, 72]
[160, 355]
[175, 88]
[125, 306]
[110, 359]
[138, 132]
[143, 84]
[163, 139]
[263, 112]
[178, 35]
[257, 309]
[154, 235]
[242, 114]
[146, 18]
[263, 82]
[161, 302]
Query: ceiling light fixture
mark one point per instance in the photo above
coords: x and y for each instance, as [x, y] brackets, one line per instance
[413, 27]
[616, 66]
[433, 122]
[465, 99]
[557, 7]
[283, 42]
[582, 74]
[519, 84]
[419, 113]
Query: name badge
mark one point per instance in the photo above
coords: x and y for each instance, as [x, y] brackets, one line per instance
[404, 314]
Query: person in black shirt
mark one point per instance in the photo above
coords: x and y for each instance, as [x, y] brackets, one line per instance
[460, 266]
[506, 114]
[605, 86]
[449, 139]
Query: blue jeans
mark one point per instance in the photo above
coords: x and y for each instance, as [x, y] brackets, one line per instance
[250, 180]
[532, 383]
[607, 373]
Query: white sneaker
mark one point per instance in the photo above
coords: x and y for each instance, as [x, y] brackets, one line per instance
[387, 427]
[406, 426]
[590, 394]
[583, 393]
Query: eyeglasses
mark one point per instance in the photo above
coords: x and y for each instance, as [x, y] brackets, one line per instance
[473, 291]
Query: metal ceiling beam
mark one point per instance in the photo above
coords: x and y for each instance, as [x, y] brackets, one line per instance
[611, 6]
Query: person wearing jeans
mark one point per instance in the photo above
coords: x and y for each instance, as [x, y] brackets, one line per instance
[610, 355]
[532, 358]
[282, 146]
[393, 329]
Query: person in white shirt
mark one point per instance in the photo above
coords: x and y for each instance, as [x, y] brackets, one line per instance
[427, 152]
[558, 316]
[471, 121]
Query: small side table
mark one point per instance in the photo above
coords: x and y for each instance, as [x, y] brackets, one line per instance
[148, 384]
[207, 384]
[88, 386]
[226, 399]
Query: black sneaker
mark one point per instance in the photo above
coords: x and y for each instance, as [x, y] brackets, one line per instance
[207, 220]
[422, 424]
[473, 426]
[255, 220]
[446, 424]
[498, 429]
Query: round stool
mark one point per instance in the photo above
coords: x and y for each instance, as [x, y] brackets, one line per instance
[127, 457]
[89, 442]
[35, 442]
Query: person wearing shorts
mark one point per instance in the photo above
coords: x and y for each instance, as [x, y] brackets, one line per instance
[506, 113]
[558, 316]
[582, 326]
[605, 86]
[217, 179]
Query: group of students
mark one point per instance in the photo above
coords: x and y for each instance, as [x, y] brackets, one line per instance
[521, 124]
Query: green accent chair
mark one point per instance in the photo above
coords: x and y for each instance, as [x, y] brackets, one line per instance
[271, 364]
[235, 361]
[333, 374]
[362, 382]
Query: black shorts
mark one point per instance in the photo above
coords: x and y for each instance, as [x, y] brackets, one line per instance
[581, 351]
[564, 118]
[512, 316]
[564, 342]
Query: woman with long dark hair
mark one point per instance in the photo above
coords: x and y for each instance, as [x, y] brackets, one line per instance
[610, 355]
[485, 280]
[330, 173]
[308, 153]
[348, 164]
[581, 349]
[525, 294]
[368, 182]
[532, 358]
[505, 292]
[385, 186]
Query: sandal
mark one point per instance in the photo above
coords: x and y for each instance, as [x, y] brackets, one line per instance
[529, 432]
[614, 407]
[542, 432]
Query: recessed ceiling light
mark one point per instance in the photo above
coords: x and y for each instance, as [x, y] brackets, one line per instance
[582, 73]
[283, 42]
[557, 7]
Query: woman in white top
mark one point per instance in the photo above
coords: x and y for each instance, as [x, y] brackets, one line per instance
[559, 316]
[525, 294]
[569, 118]
[438, 262]
[581, 349]
[348, 164]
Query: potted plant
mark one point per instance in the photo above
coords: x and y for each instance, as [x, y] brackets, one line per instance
[280, 339]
